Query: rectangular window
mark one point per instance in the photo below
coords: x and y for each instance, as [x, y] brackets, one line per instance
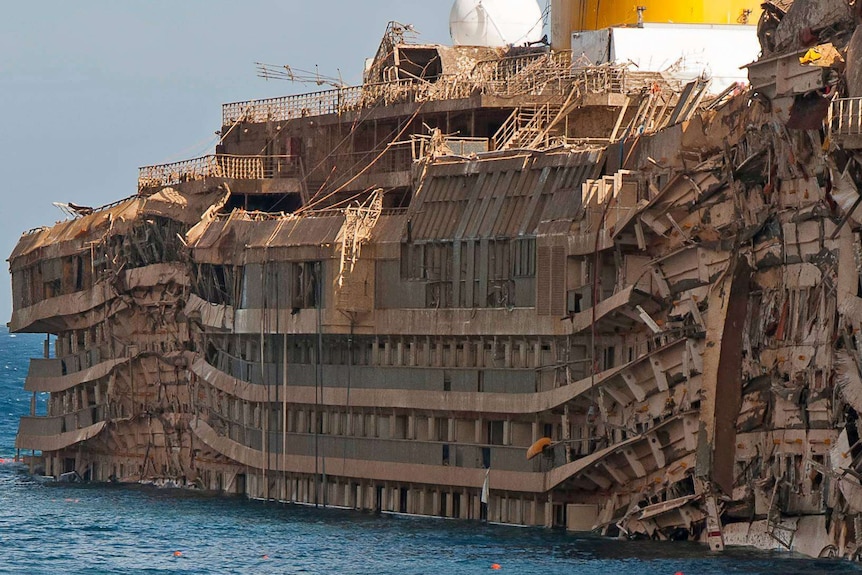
[495, 432]
[524, 258]
[305, 284]
[413, 262]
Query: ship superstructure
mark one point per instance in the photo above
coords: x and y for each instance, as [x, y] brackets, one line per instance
[491, 283]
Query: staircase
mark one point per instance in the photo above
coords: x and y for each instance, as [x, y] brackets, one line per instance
[526, 128]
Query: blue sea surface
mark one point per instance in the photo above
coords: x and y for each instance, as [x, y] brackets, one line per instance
[59, 529]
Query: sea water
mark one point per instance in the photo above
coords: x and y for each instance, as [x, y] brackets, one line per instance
[101, 529]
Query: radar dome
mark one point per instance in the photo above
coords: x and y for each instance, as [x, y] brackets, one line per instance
[495, 23]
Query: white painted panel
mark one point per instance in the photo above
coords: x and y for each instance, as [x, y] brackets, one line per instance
[690, 49]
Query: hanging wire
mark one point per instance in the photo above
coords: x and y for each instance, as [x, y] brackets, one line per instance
[354, 178]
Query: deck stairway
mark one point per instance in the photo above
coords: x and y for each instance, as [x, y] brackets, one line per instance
[526, 127]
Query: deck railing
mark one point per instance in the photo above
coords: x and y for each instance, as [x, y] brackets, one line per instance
[520, 73]
[219, 166]
[505, 69]
[603, 80]
[336, 101]
[845, 117]
[539, 74]
[342, 100]
[546, 73]
[422, 144]
[287, 107]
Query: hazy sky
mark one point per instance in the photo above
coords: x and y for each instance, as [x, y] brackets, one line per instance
[90, 90]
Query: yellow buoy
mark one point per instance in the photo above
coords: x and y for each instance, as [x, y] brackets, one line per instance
[538, 447]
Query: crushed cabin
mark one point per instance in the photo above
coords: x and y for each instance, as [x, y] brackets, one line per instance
[384, 297]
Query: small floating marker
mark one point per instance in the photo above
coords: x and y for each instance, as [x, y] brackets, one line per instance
[495, 566]
[265, 556]
[178, 553]
[678, 573]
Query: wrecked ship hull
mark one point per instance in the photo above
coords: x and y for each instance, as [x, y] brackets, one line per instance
[660, 286]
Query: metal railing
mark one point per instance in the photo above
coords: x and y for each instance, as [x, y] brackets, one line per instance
[527, 74]
[287, 107]
[617, 79]
[341, 100]
[219, 166]
[604, 79]
[422, 145]
[538, 74]
[845, 117]
[507, 68]
[82, 212]
[508, 129]
[505, 76]
[525, 126]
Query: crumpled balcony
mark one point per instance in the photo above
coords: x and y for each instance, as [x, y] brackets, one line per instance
[845, 122]
[55, 433]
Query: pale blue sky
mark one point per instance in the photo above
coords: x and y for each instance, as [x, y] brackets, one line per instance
[90, 90]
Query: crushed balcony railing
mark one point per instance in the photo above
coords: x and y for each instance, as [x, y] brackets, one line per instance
[545, 73]
[845, 118]
[504, 69]
[79, 212]
[620, 79]
[220, 166]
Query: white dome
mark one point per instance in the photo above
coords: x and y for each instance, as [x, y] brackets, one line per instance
[495, 23]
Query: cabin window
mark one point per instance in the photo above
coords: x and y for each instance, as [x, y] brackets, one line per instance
[524, 258]
[418, 63]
